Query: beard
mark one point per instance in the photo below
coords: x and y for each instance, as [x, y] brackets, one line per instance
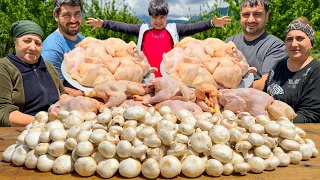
[255, 31]
[65, 29]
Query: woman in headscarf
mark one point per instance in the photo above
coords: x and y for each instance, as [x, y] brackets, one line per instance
[296, 80]
[28, 84]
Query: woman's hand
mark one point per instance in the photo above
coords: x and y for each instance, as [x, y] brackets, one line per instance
[96, 23]
[220, 22]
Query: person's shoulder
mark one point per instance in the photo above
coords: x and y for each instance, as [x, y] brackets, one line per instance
[274, 38]
[6, 65]
[235, 37]
[316, 64]
[80, 37]
[54, 36]
[5, 62]
[48, 63]
[53, 41]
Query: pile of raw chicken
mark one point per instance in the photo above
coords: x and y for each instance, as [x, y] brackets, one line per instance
[211, 61]
[171, 92]
[94, 61]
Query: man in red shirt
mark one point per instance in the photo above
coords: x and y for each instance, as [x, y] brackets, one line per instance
[159, 37]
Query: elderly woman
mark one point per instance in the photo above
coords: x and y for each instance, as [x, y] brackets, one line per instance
[296, 80]
[28, 83]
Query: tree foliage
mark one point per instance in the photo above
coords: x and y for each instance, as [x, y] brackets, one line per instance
[282, 12]
[41, 12]
[114, 10]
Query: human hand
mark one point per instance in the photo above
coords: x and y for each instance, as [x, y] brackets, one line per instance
[96, 23]
[73, 92]
[220, 22]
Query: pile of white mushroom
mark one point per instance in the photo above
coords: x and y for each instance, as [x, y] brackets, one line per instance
[134, 140]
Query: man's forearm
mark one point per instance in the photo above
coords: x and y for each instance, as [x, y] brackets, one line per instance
[259, 84]
[73, 92]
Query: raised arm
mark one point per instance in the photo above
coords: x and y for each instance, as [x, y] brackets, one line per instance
[193, 28]
[132, 29]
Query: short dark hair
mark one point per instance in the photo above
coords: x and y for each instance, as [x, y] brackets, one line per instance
[158, 7]
[58, 3]
[253, 3]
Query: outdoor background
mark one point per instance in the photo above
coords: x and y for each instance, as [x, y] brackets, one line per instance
[282, 12]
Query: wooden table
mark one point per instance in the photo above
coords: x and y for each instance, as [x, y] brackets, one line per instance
[303, 171]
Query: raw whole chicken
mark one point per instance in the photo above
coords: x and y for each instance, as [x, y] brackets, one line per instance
[280, 109]
[80, 103]
[169, 88]
[114, 93]
[245, 100]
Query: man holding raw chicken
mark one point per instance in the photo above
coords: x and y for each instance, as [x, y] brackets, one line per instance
[260, 49]
[159, 37]
[68, 14]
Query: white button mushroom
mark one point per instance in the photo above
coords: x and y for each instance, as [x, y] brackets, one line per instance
[130, 168]
[150, 168]
[295, 157]
[170, 166]
[124, 149]
[257, 164]
[45, 162]
[129, 134]
[242, 168]
[63, 165]
[107, 168]
[219, 134]
[271, 163]
[262, 151]
[290, 145]
[7, 154]
[201, 141]
[58, 134]
[134, 112]
[19, 155]
[287, 132]
[97, 136]
[85, 166]
[71, 143]
[247, 121]
[84, 148]
[31, 160]
[44, 137]
[283, 158]
[104, 118]
[262, 119]
[192, 166]
[32, 139]
[107, 149]
[42, 148]
[222, 152]
[214, 167]
[256, 139]
[228, 169]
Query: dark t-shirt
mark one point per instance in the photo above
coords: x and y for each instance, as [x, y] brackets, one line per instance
[155, 43]
[262, 53]
[300, 90]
